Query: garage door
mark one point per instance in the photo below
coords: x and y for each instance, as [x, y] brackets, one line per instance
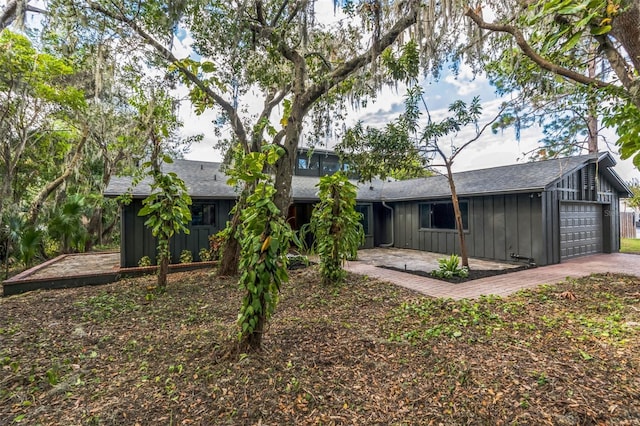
[580, 229]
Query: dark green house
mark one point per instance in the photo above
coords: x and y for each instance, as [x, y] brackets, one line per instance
[542, 212]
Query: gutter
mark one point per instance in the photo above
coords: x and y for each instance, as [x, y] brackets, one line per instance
[384, 204]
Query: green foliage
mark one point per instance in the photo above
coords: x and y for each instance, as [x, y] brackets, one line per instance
[216, 244]
[573, 20]
[30, 245]
[391, 151]
[204, 254]
[21, 242]
[625, 118]
[66, 225]
[144, 261]
[264, 240]
[167, 210]
[462, 114]
[38, 110]
[634, 201]
[335, 226]
[405, 66]
[449, 267]
[573, 35]
[186, 256]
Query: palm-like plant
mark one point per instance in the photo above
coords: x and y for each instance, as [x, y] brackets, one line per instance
[66, 225]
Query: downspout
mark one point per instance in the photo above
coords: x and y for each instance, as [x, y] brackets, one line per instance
[384, 204]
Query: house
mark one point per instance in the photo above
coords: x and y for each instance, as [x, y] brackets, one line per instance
[543, 212]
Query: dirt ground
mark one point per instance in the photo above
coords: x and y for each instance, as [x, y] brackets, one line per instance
[366, 353]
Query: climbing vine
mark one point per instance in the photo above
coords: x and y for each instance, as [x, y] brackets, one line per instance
[264, 240]
[167, 210]
[336, 226]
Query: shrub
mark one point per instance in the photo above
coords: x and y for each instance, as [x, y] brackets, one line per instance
[144, 261]
[216, 242]
[205, 255]
[186, 256]
[450, 268]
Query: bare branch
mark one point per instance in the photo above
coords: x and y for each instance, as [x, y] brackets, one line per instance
[480, 132]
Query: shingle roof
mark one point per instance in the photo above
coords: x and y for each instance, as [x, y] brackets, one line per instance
[203, 180]
[207, 180]
[533, 176]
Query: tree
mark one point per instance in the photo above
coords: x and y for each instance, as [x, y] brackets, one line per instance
[264, 241]
[461, 115]
[335, 226]
[634, 201]
[66, 224]
[279, 52]
[34, 104]
[167, 206]
[559, 38]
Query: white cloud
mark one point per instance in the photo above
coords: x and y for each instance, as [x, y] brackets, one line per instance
[465, 81]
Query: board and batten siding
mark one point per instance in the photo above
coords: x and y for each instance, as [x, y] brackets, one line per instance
[137, 240]
[581, 186]
[499, 225]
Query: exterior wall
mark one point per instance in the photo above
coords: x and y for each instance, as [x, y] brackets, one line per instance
[137, 240]
[499, 225]
[582, 186]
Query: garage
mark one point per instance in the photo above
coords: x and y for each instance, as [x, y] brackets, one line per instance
[580, 229]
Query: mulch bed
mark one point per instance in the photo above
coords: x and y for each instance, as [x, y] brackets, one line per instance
[365, 353]
[474, 274]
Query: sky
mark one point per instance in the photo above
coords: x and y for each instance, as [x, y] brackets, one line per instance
[489, 150]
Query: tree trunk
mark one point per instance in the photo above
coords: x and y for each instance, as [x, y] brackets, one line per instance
[95, 223]
[253, 342]
[592, 118]
[626, 30]
[285, 165]
[458, 215]
[228, 265]
[94, 229]
[163, 271]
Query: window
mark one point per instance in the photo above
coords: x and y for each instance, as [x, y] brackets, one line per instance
[306, 163]
[365, 210]
[330, 165]
[203, 214]
[440, 215]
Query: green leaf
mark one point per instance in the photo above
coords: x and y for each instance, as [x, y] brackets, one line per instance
[596, 31]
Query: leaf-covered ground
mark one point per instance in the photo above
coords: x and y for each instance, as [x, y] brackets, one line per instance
[363, 354]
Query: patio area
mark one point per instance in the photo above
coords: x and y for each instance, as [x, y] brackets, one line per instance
[500, 285]
[101, 268]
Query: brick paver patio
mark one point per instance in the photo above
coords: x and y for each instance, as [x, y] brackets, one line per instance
[503, 285]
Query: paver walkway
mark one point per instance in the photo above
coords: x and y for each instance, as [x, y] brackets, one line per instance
[504, 285]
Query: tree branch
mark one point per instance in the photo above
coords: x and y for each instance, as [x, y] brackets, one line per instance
[340, 73]
[37, 203]
[166, 54]
[270, 102]
[8, 14]
[479, 133]
[532, 54]
[616, 60]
